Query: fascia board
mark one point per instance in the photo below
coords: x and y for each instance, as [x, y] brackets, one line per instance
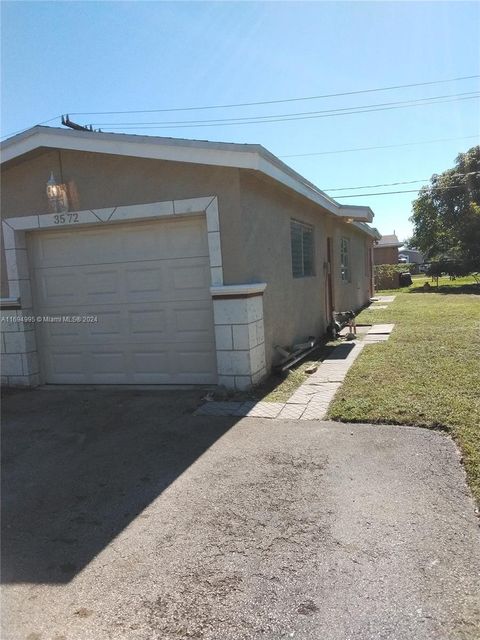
[252, 157]
[370, 231]
[269, 169]
[358, 212]
[125, 146]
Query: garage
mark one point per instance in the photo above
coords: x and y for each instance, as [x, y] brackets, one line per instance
[134, 301]
[179, 250]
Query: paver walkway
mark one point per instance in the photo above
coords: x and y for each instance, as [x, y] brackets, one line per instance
[380, 302]
[310, 401]
[384, 298]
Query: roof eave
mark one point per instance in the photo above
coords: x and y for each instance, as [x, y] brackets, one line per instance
[356, 213]
[373, 232]
[391, 245]
[241, 156]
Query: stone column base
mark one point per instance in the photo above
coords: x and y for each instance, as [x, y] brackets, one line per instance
[239, 334]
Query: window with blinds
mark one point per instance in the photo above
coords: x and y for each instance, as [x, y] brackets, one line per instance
[345, 260]
[302, 249]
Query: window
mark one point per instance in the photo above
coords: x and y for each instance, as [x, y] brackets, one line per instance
[302, 249]
[345, 259]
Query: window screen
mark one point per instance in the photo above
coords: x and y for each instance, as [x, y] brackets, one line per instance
[345, 259]
[302, 249]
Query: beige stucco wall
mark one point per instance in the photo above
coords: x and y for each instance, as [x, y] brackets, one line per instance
[255, 214]
[101, 180]
[356, 293]
[294, 308]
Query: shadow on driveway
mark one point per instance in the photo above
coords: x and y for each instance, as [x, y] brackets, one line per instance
[79, 466]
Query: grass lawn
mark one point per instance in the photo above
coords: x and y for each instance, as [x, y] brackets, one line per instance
[428, 373]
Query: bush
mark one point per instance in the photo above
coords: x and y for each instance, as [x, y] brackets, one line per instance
[388, 270]
[387, 276]
[452, 268]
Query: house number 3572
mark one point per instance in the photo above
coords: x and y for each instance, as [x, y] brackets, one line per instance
[65, 218]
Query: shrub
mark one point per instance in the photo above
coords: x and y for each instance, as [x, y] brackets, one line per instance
[453, 268]
[387, 276]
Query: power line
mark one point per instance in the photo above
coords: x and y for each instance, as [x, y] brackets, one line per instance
[375, 186]
[14, 133]
[392, 184]
[289, 115]
[340, 112]
[386, 146]
[263, 102]
[388, 193]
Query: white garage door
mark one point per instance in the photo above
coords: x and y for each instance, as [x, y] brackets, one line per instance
[148, 286]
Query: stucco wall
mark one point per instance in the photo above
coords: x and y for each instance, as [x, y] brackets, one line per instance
[101, 180]
[294, 308]
[255, 214]
[355, 293]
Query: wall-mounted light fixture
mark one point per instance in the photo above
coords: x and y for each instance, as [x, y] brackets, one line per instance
[57, 195]
[349, 220]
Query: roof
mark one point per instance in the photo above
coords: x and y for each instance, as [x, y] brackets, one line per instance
[389, 241]
[242, 156]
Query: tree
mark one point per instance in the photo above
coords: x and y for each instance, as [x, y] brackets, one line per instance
[446, 214]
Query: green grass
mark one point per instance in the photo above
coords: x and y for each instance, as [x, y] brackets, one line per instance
[279, 388]
[428, 373]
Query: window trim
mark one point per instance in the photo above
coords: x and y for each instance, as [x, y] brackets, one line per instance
[304, 226]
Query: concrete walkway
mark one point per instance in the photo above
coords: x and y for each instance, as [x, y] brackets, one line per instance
[311, 400]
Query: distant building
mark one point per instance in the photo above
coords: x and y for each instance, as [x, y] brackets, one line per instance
[386, 250]
[410, 256]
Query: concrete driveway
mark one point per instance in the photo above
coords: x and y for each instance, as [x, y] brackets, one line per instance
[125, 517]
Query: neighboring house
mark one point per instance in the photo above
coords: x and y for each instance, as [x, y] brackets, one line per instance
[180, 262]
[410, 256]
[386, 250]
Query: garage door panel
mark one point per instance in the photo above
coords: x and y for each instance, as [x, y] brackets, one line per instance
[109, 324]
[143, 279]
[124, 284]
[69, 248]
[187, 277]
[150, 361]
[151, 322]
[100, 282]
[108, 362]
[56, 288]
[150, 241]
[68, 362]
[175, 322]
[188, 243]
[60, 333]
[190, 324]
[173, 364]
[153, 304]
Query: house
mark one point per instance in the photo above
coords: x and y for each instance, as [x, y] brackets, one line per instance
[166, 261]
[410, 256]
[386, 250]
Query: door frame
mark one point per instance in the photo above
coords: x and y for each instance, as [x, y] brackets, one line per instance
[329, 284]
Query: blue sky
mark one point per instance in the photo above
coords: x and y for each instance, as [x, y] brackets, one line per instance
[67, 57]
